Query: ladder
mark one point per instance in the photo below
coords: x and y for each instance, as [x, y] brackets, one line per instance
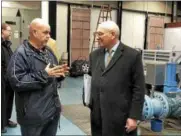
[104, 15]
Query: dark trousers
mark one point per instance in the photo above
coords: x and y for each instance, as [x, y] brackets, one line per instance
[3, 104]
[49, 128]
[9, 101]
[7, 96]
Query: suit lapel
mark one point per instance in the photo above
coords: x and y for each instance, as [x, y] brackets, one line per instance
[115, 58]
[102, 54]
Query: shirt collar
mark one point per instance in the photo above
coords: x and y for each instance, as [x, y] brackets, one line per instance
[34, 49]
[114, 47]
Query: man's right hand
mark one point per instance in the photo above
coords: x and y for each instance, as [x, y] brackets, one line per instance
[56, 71]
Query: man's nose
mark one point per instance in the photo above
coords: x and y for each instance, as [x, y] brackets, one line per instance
[97, 38]
[48, 35]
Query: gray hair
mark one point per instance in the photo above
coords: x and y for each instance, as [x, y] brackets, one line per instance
[110, 26]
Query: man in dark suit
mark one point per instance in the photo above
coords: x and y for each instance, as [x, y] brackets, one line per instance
[117, 88]
[7, 93]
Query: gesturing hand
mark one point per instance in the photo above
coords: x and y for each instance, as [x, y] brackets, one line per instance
[65, 67]
[56, 71]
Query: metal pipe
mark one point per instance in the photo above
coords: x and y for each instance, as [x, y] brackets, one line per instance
[161, 106]
[174, 14]
[157, 107]
[170, 84]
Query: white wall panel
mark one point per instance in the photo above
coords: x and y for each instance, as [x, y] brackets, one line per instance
[27, 16]
[9, 12]
[167, 19]
[61, 32]
[22, 4]
[151, 6]
[133, 29]
[172, 38]
[45, 11]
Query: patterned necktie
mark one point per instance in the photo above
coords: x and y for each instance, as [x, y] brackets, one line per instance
[109, 57]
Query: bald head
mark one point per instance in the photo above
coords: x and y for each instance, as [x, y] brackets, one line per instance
[37, 23]
[39, 32]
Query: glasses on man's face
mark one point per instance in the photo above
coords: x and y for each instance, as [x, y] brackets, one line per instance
[98, 34]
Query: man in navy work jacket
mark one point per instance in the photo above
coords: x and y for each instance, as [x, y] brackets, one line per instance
[33, 72]
[117, 87]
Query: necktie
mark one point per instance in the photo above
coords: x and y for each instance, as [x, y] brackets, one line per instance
[109, 57]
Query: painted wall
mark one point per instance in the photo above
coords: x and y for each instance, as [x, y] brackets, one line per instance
[22, 4]
[160, 6]
[45, 11]
[28, 10]
[98, 3]
[134, 37]
[61, 28]
[27, 17]
[133, 29]
[172, 39]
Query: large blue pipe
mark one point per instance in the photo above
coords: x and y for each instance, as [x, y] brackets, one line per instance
[161, 106]
[158, 108]
[170, 84]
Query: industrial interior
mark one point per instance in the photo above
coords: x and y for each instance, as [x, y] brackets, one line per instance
[152, 28]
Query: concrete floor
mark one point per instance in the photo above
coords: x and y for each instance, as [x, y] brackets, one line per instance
[71, 93]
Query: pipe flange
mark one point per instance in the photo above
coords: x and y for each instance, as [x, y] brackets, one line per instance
[147, 109]
[164, 101]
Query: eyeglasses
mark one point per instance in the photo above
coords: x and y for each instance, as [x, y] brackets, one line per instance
[100, 33]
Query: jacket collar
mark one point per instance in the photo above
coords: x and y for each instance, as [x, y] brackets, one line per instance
[117, 55]
[30, 50]
[6, 43]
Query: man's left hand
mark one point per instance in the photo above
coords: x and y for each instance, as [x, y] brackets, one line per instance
[131, 124]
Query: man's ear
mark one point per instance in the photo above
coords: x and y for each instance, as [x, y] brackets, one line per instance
[113, 35]
[34, 32]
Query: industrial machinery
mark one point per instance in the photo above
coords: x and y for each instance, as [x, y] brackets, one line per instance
[161, 56]
[156, 60]
[160, 69]
[161, 106]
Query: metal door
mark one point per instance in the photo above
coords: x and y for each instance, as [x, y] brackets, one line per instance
[80, 33]
[14, 23]
[155, 32]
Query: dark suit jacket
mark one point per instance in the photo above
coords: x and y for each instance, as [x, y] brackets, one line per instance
[117, 91]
